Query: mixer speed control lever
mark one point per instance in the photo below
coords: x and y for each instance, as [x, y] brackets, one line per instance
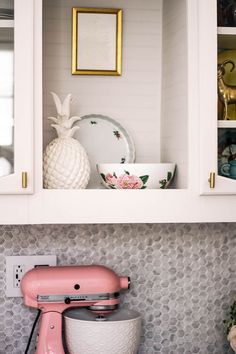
[67, 300]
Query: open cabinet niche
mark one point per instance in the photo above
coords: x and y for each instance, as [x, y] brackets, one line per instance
[150, 97]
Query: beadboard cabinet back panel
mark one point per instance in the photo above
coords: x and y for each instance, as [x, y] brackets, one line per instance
[174, 122]
[133, 99]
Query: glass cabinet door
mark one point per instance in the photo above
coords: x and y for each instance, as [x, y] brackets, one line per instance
[226, 63]
[6, 91]
[16, 96]
[217, 95]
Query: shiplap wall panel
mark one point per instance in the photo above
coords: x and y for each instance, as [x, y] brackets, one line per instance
[127, 4]
[134, 98]
[174, 120]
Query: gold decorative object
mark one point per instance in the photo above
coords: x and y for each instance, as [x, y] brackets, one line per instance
[96, 41]
[227, 93]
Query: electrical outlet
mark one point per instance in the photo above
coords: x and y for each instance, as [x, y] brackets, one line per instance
[17, 266]
[18, 272]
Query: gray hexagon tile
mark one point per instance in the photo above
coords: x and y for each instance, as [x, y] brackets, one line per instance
[183, 279]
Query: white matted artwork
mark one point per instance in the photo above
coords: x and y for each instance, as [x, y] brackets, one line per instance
[96, 41]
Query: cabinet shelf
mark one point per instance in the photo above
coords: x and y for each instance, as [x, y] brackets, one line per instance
[226, 37]
[226, 30]
[6, 24]
[226, 123]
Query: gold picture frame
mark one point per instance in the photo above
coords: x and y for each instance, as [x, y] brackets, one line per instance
[96, 41]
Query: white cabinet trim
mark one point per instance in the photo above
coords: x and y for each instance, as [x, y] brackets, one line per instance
[23, 100]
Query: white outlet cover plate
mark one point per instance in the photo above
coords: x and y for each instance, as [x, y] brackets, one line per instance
[29, 262]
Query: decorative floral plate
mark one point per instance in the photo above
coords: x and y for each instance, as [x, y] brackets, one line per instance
[106, 141]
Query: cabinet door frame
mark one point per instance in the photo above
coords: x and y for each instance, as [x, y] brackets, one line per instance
[23, 100]
[208, 97]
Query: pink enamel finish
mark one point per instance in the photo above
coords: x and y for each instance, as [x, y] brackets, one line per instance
[61, 280]
[91, 279]
[50, 334]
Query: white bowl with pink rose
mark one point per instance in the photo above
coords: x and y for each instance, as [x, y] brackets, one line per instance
[136, 175]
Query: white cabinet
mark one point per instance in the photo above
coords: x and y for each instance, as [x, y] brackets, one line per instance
[177, 131]
[216, 134]
[167, 97]
[135, 99]
[16, 100]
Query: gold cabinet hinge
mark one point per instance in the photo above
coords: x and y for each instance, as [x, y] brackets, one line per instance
[24, 179]
[212, 180]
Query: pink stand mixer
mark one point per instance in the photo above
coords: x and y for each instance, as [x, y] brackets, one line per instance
[55, 289]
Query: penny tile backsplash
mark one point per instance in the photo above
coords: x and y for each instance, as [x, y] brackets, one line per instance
[183, 278]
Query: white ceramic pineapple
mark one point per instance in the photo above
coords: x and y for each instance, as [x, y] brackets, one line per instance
[65, 162]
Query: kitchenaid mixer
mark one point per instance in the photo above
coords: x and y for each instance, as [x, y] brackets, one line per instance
[55, 289]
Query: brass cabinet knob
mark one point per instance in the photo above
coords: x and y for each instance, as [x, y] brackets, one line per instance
[24, 179]
[212, 180]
